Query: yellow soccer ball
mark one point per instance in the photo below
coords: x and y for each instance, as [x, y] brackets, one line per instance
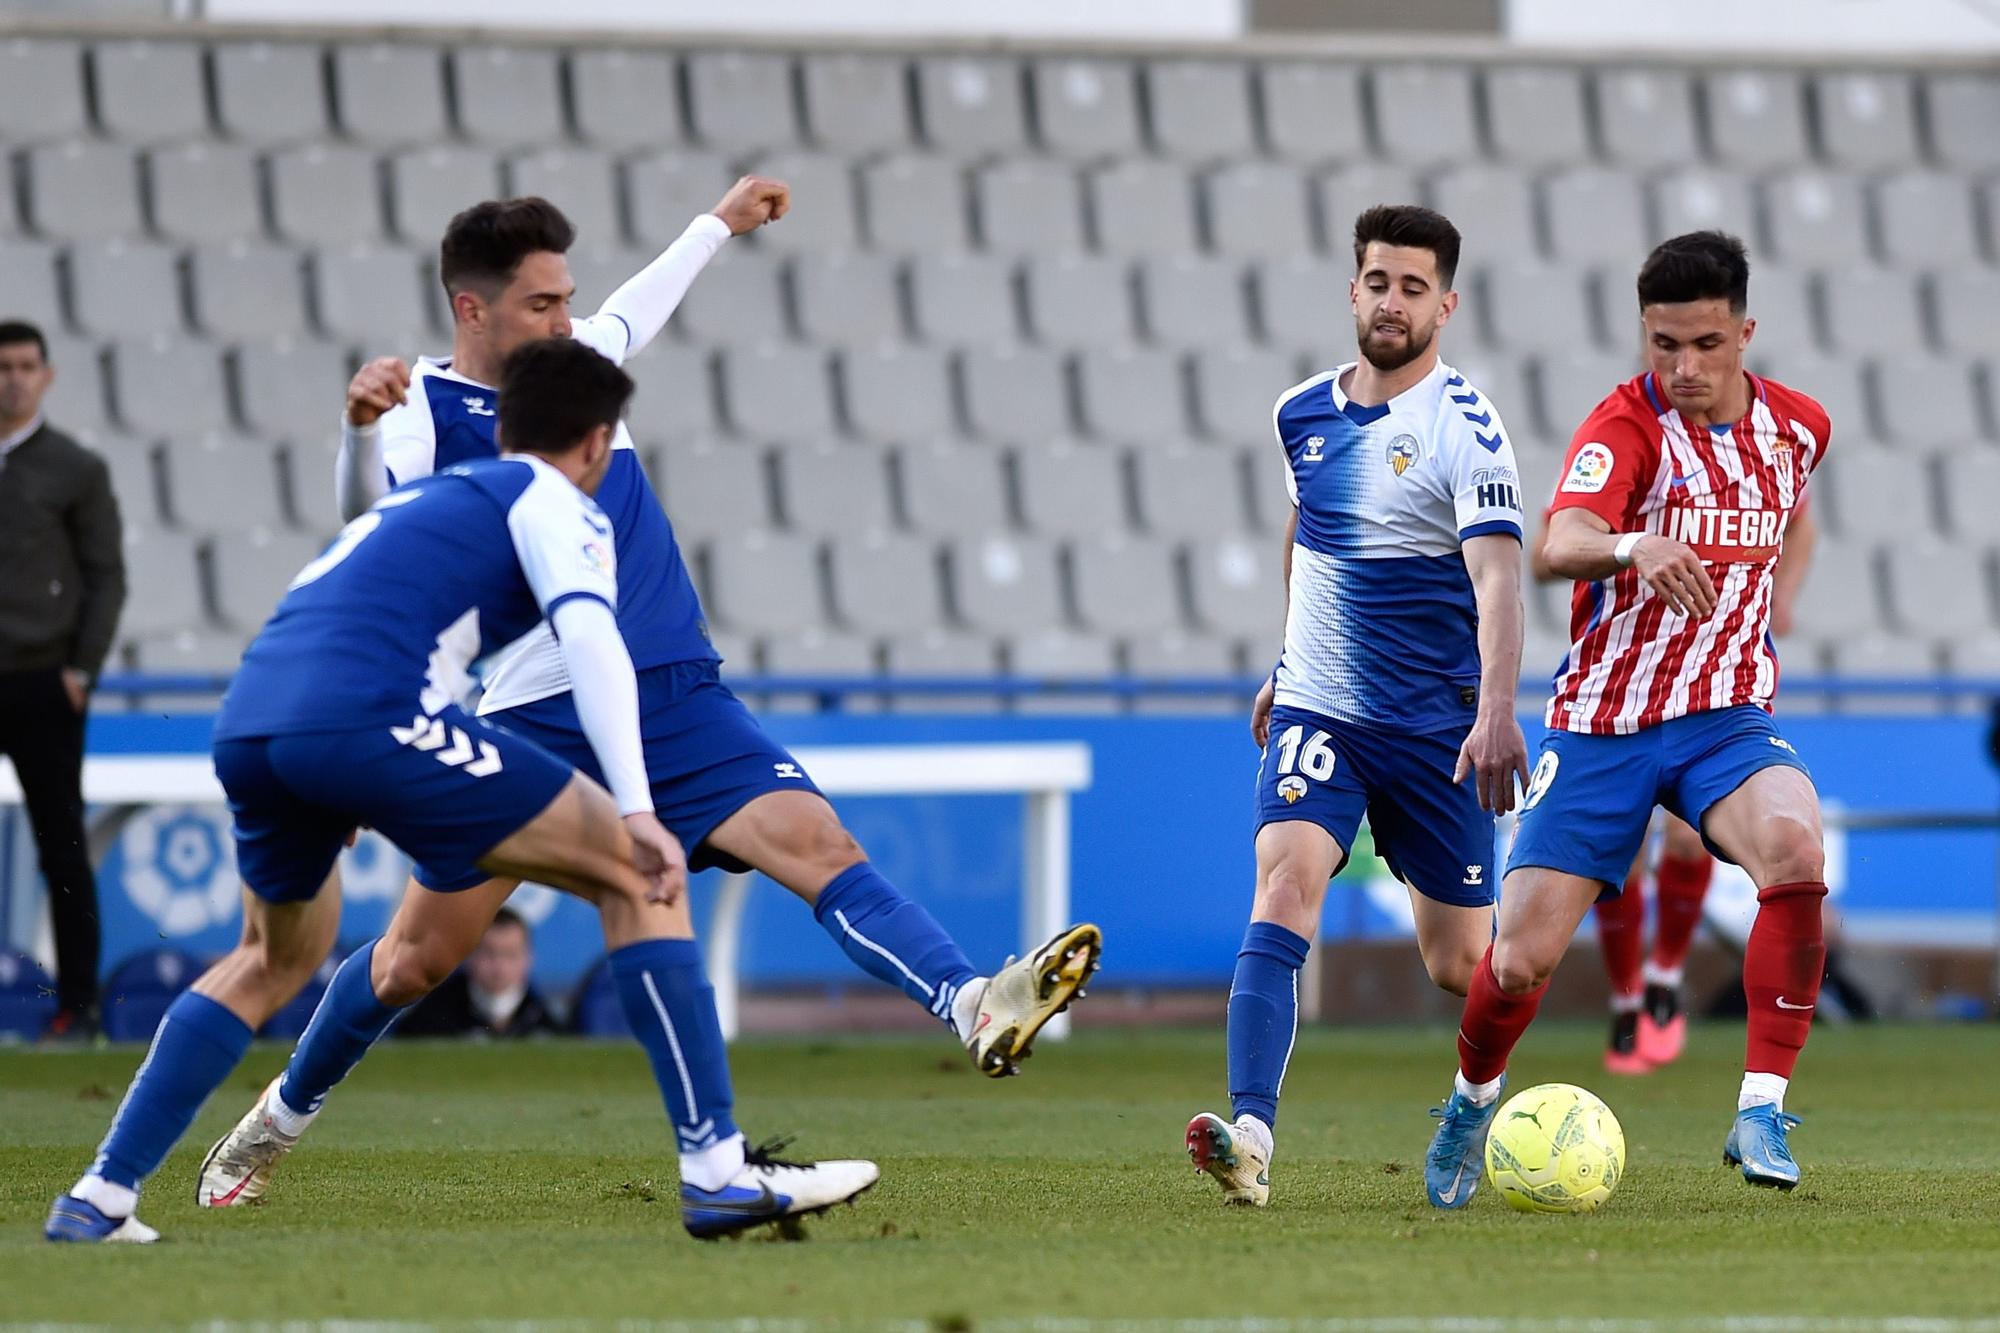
[1555, 1149]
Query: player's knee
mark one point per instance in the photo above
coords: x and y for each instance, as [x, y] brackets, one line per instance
[1518, 969]
[408, 970]
[1792, 853]
[1451, 969]
[1288, 896]
[825, 844]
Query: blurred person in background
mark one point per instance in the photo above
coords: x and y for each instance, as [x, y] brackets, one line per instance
[492, 994]
[62, 583]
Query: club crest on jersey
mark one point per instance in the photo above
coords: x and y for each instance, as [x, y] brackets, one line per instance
[1589, 470]
[1315, 448]
[477, 406]
[1404, 451]
[1292, 788]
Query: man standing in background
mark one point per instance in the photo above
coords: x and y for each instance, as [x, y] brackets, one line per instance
[62, 582]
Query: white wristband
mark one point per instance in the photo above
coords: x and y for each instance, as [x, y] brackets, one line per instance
[1626, 545]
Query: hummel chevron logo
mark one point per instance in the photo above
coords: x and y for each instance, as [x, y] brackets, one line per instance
[1483, 420]
[1465, 399]
[1454, 380]
[430, 735]
[1490, 443]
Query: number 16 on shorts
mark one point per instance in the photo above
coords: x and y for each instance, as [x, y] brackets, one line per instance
[1308, 774]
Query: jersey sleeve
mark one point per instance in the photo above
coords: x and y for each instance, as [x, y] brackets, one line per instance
[409, 439]
[1485, 480]
[1607, 467]
[564, 544]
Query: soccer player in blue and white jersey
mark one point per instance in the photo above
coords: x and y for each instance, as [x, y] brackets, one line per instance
[731, 794]
[345, 713]
[1401, 658]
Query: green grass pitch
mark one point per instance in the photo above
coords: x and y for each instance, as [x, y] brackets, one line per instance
[449, 1184]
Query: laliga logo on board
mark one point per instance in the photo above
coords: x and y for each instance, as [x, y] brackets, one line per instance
[180, 869]
[1403, 454]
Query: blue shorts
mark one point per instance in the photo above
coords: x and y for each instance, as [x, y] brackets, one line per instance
[706, 756]
[1428, 828]
[294, 799]
[1591, 797]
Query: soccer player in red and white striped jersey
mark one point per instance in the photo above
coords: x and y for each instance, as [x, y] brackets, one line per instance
[1670, 516]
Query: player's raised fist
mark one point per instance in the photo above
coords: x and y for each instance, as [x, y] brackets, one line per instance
[753, 201]
[1676, 573]
[378, 386]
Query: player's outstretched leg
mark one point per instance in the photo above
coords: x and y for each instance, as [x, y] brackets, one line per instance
[201, 1038]
[1621, 928]
[1685, 871]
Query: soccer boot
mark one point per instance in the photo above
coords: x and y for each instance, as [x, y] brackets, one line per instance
[1756, 1143]
[238, 1168]
[1234, 1155]
[71, 1219]
[1026, 994]
[1457, 1156]
[1621, 1055]
[1663, 1026]
[769, 1189]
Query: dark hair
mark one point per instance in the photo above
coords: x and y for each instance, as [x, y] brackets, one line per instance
[507, 916]
[487, 242]
[1415, 226]
[21, 331]
[1698, 266]
[555, 391]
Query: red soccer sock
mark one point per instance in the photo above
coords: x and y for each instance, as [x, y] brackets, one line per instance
[1621, 935]
[1683, 883]
[1492, 1023]
[1782, 967]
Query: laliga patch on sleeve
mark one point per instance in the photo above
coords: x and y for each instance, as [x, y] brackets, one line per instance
[1589, 470]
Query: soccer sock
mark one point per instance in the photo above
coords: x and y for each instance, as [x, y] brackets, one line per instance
[1492, 1023]
[893, 939]
[1782, 967]
[198, 1043]
[1263, 1017]
[347, 1022]
[667, 999]
[1621, 929]
[1683, 883]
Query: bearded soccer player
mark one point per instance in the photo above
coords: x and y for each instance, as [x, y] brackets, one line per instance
[1395, 691]
[1670, 516]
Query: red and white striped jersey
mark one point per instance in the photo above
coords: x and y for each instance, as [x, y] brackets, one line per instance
[1727, 491]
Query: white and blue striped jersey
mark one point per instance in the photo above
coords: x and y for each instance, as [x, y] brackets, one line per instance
[1382, 628]
[439, 573]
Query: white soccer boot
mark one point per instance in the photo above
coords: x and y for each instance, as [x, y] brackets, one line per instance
[1023, 996]
[238, 1168]
[1236, 1156]
[769, 1189]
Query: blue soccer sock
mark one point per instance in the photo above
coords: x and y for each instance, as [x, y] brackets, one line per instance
[664, 991]
[198, 1043]
[1263, 1017]
[347, 1022]
[893, 939]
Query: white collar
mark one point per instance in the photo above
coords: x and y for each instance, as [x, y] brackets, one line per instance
[8, 442]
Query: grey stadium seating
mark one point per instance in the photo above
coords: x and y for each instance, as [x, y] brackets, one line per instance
[997, 395]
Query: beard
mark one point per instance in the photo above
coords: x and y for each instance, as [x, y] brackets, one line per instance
[1391, 356]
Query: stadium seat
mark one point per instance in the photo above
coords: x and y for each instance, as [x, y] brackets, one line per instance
[162, 577]
[1882, 658]
[856, 103]
[205, 192]
[125, 289]
[598, 269]
[223, 482]
[1085, 108]
[292, 388]
[936, 654]
[1537, 308]
[428, 186]
[1194, 301]
[1072, 490]
[1870, 310]
[666, 191]
[1348, 192]
[711, 490]
[971, 106]
[914, 204]
[1964, 107]
[949, 489]
[1971, 493]
[740, 300]
[1535, 115]
[1424, 114]
[847, 300]
[27, 997]
[375, 298]
[1004, 584]
[1645, 117]
[269, 93]
[82, 191]
[1185, 494]
[1816, 219]
[77, 400]
[1259, 210]
[1503, 201]
[625, 98]
[778, 392]
[252, 569]
[1571, 387]
[885, 583]
[189, 652]
[42, 89]
[1939, 589]
[1125, 585]
[1236, 388]
[1314, 111]
[829, 222]
[1926, 402]
[1143, 207]
[1236, 587]
[1068, 660]
[1200, 110]
[963, 299]
[1700, 199]
[741, 101]
[1928, 221]
[325, 194]
[28, 276]
[1176, 654]
[390, 93]
[1879, 497]
[582, 182]
[1781, 299]
[133, 462]
[1596, 216]
[1079, 300]
[825, 488]
[676, 395]
[897, 392]
[149, 91]
[1756, 118]
[822, 654]
[1866, 119]
[168, 386]
[1029, 206]
[1839, 599]
[508, 96]
[247, 290]
[1302, 303]
[763, 582]
[1014, 393]
[1131, 394]
[138, 990]
[1838, 383]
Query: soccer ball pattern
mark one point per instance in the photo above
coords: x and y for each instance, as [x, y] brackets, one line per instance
[1555, 1148]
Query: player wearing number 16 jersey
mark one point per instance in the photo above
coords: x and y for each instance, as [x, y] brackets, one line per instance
[1402, 653]
[1670, 516]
